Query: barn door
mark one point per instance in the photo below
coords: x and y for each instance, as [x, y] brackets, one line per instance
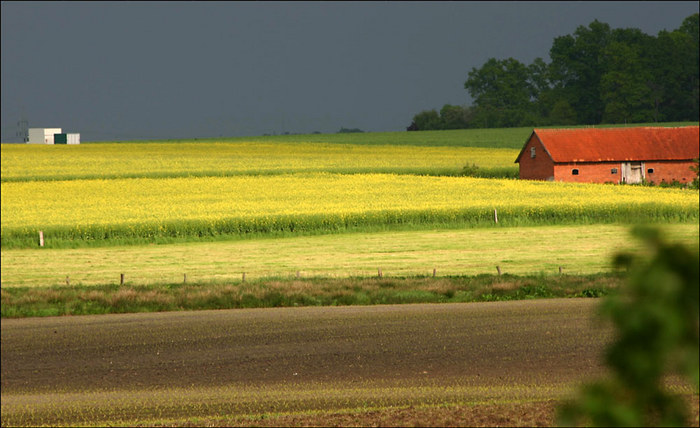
[632, 172]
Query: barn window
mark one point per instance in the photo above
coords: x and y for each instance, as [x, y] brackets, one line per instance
[650, 170]
[574, 171]
[613, 171]
[532, 152]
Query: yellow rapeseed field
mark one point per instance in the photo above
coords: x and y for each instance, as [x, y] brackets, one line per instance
[110, 160]
[103, 209]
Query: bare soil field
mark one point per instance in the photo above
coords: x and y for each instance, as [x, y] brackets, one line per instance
[500, 363]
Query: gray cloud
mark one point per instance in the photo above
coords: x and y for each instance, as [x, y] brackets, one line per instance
[132, 70]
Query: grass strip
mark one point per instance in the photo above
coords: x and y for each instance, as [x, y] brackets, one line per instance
[19, 302]
[299, 405]
[467, 170]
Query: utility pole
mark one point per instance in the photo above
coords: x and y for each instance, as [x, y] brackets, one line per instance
[23, 129]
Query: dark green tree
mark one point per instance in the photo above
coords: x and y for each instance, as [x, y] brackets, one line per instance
[502, 92]
[453, 117]
[577, 67]
[596, 75]
[427, 120]
[344, 130]
[542, 97]
[691, 27]
[562, 114]
[624, 87]
[675, 71]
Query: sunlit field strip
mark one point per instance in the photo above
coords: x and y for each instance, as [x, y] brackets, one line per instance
[183, 406]
[587, 249]
[128, 160]
[181, 207]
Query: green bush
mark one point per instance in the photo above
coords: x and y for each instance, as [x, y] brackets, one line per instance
[656, 318]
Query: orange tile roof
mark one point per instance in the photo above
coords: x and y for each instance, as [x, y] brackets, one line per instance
[620, 144]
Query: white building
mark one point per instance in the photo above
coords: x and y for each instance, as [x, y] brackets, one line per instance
[42, 135]
[51, 136]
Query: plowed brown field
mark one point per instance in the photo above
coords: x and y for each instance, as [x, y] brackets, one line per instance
[447, 364]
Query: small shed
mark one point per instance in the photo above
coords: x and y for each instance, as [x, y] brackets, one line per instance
[611, 155]
[42, 135]
[66, 138]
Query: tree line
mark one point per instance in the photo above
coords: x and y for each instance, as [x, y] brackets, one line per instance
[596, 75]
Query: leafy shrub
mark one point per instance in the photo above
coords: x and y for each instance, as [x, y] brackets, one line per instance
[592, 292]
[656, 318]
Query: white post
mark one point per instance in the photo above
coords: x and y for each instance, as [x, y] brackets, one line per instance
[495, 216]
[41, 238]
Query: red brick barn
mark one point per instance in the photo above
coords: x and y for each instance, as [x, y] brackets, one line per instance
[611, 155]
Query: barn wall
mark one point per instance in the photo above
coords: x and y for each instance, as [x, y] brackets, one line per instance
[670, 170]
[539, 168]
[588, 172]
[602, 172]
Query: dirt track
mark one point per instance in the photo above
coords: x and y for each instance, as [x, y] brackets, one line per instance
[519, 341]
[500, 346]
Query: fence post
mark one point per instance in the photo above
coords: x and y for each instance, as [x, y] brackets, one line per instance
[121, 279]
[434, 272]
[184, 280]
[559, 270]
[41, 238]
[495, 216]
[498, 268]
[243, 280]
[67, 280]
[379, 272]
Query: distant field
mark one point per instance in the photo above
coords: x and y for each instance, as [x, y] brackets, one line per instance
[493, 151]
[513, 138]
[222, 159]
[109, 211]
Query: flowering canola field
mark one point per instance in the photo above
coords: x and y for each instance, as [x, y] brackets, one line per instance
[99, 209]
[202, 159]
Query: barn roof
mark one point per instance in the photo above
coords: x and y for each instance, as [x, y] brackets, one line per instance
[619, 144]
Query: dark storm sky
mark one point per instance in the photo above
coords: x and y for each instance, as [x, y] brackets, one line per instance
[133, 70]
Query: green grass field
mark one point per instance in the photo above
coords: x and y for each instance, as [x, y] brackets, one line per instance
[513, 138]
[436, 266]
[579, 249]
